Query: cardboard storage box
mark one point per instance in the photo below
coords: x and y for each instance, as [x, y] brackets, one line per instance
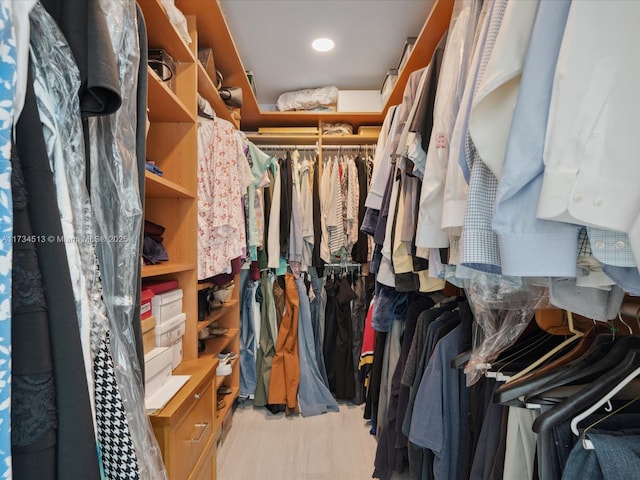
[148, 334]
[166, 306]
[145, 303]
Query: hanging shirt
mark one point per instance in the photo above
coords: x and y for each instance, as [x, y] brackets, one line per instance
[479, 243]
[455, 189]
[306, 204]
[530, 246]
[353, 204]
[457, 56]
[381, 162]
[589, 176]
[221, 226]
[273, 243]
[259, 162]
[325, 205]
[335, 217]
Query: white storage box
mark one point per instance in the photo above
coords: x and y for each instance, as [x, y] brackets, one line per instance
[157, 369]
[166, 306]
[359, 101]
[169, 334]
[170, 331]
[176, 354]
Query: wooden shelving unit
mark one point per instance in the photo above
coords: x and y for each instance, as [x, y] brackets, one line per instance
[217, 314]
[159, 187]
[171, 201]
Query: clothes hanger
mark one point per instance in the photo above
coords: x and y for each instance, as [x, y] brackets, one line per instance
[587, 369]
[606, 399]
[511, 359]
[586, 443]
[577, 334]
[590, 393]
[589, 350]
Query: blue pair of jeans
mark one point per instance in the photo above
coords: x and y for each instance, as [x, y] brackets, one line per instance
[248, 340]
[317, 284]
[314, 397]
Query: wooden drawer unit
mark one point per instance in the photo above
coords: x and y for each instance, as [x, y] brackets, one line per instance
[185, 426]
[206, 469]
[192, 434]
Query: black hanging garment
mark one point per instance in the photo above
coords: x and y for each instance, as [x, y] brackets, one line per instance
[330, 328]
[33, 430]
[360, 251]
[76, 453]
[344, 366]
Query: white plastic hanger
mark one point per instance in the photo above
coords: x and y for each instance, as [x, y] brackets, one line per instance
[586, 443]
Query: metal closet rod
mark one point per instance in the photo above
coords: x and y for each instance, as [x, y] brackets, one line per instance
[349, 147]
[281, 147]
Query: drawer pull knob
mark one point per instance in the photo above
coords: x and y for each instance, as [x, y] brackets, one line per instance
[203, 428]
[198, 396]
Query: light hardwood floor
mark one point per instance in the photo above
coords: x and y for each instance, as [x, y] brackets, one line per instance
[333, 446]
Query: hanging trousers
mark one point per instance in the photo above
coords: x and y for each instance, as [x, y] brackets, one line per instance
[266, 345]
[285, 369]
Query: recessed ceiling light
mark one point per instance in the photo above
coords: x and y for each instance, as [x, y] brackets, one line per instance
[322, 44]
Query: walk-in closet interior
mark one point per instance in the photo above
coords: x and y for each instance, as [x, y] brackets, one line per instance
[409, 255]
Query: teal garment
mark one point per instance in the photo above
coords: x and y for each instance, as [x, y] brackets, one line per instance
[282, 268]
[259, 163]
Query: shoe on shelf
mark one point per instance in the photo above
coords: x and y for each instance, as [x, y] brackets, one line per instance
[218, 331]
[223, 369]
[221, 403]
[224, 390]
[227, 356]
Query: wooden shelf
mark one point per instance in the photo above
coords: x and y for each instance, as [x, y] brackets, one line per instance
[222, 413]
[349, 139]
[164, 104]
[159, 187]
[203, 285]
[290, 139]
[217, 314]
[166, 268]
[434, 27]
[253, 120]
[207, 89]
[293, 139]
[162, 34]
[213, 32]
[217, 344]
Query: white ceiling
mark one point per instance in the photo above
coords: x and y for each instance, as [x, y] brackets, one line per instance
[274, 39]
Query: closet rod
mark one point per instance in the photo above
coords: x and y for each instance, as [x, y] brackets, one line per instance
[281, 147]
[343, 265]
[348, 147]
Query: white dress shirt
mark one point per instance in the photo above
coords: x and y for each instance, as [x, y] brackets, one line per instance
[591, 174]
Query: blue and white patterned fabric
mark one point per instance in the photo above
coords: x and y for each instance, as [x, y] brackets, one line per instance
[7, 91]
[479, 243]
